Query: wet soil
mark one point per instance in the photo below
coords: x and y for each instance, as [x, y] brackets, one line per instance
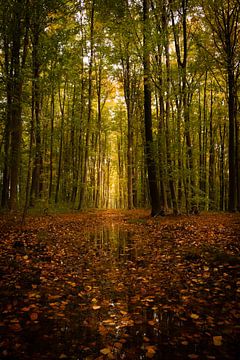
[120, 285]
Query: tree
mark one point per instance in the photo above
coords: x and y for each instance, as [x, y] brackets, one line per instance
[151, 165]
[223, 19]
[15, 34]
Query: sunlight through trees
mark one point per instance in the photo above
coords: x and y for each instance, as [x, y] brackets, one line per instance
[123, 104]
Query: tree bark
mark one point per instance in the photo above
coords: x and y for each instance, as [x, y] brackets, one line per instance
[85, 166]
[151, 165]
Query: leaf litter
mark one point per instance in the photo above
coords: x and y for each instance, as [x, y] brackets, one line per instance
[120, 285]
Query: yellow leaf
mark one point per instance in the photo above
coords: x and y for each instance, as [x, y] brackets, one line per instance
[105, 351]
[123, 312]
[217, 340]
[194, 316]
[109, 322]
[96, 307]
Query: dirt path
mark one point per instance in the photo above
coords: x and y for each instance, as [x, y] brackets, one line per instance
[120, 285]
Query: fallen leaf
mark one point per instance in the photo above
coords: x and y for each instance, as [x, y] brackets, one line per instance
[109, 322]
[151, 351]
[217, 340]
[96, 307]
[105, 351]
[15, 327]
[194, 316]
[118, 345]
[34, 316]
[26, 309]
[151, 322]
[63, 356]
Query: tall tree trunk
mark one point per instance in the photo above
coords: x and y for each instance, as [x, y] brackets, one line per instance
[51, 144]
[18, 59]
[212, 179]
[62, 108]
[232, 196]
[99, 137]
[5, 189]
[165, 20]
[222, 167]
[36, 175]
[151, 165]
[182, 66]
[85, 166]
[129, 105]
[238, 156]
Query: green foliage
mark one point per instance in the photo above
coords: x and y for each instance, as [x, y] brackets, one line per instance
[188, 80]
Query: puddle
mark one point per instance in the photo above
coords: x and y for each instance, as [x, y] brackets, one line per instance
[109, 305]
[115, 241]
[126, 316]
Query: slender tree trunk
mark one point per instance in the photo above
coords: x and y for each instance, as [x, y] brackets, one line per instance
[16, 108]
[36, 176]
[222, 167]
[99, 138]
[62, 108]
[5, 189]
[238, 157]
[168, 141]
[51, 145]
[232, 196]
[29, 171]
[151, 165]
[212, 179]
[85, 166]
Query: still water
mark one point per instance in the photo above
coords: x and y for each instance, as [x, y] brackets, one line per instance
[129, 321]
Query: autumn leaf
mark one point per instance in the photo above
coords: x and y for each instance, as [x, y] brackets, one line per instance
[217, 340]
[194, 316]
[26, 309]
[15, 327]
[151, 351]
[151, 322]
[109, 322]
[105, 351]
[63, 356]
[118, 345]
[152, 289]
[34, 316]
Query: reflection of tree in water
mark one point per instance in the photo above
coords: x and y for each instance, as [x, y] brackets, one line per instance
[116, 241]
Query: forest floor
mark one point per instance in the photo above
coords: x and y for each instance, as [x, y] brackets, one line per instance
[120, 285]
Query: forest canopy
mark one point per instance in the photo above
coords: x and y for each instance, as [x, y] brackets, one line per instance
[120, 104]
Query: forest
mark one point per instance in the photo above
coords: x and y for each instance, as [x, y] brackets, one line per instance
[126, 104]
[119, 179]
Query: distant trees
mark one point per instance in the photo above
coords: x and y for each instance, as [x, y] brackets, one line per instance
[223, 19]
[120, 104]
